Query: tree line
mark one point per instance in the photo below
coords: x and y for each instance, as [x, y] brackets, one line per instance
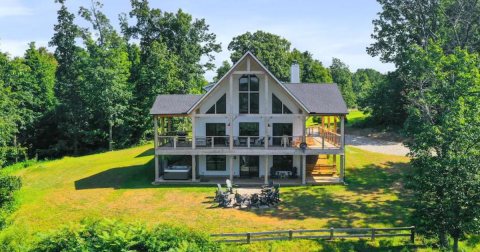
[95, 90]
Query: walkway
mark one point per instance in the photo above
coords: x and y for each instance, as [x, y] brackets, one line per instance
[375, 145]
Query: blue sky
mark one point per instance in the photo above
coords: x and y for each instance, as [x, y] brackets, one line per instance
[326, 28]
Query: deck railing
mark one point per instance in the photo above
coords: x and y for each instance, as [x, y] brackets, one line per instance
[331, 234]
[326, 134]
[323, 141]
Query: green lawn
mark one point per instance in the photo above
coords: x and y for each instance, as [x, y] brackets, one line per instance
[118, 185]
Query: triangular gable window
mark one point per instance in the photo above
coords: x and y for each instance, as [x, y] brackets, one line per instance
[220, 107]
[278, 107]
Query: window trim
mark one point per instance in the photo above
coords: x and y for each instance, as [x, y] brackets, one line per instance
[214, 106]
[216, 162]
[283, 106]
[248, 92]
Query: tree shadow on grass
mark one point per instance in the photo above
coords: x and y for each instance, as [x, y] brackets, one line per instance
[374, 195]
[149, 152]
[128, 177]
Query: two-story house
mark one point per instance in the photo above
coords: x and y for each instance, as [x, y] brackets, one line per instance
[250, 127]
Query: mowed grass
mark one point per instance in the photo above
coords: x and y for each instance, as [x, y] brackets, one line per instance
[118, 185]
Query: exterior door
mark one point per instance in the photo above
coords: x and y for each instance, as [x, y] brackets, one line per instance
[280, 129]
[216, 129]
[249, 166]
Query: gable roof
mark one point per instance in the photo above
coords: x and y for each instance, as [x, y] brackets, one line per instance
[319, 98]
[173, 104]
[210, 90]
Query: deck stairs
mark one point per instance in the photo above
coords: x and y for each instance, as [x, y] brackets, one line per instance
[320, 166]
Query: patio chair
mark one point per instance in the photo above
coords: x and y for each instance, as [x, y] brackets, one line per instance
[222, 198]
[276, 193]
[270, 198]
[254, 201]
[294, 173]
[268, 187]
[229, 186]
[239, 199]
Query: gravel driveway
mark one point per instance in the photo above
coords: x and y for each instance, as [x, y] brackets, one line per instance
[375, 145]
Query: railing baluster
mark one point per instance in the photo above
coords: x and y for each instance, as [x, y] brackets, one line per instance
[248, 142]
[175, 142]
[212, 138]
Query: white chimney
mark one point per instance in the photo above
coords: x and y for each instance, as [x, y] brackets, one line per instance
[295, 73]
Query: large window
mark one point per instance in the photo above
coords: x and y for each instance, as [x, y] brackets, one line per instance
[249, 88]
[278, 107]
[220, 107]
[216, 163]
[249, 129]
[283, 163]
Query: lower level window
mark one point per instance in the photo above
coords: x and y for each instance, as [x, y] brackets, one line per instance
[216, 163]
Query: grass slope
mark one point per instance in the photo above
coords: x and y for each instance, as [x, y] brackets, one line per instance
[118, 185]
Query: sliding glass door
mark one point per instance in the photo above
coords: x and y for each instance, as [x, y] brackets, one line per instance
[249, 166]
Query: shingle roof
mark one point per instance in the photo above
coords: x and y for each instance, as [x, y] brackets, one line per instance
[173, 104]
[319, 98]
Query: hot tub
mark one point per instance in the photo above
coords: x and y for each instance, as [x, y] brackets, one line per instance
[177, 172]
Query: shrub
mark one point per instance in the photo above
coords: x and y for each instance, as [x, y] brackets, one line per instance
[10, 155]
[108, 235]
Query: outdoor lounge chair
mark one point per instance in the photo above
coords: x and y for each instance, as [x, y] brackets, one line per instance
[240, 200]
[268, 187]
[229, 186]
[254, 201]
[222, 198]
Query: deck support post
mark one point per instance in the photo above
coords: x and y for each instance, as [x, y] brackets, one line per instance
[169, 124]
[194, 134]
[231, 168]
[194, 166]
[265, 138]
[155, 133]
[266, 170]
[304, 169]
[231, 111]
[304, 126]
[342, 167]
[342, 132]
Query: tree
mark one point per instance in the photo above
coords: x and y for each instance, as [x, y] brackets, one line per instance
[311, 71]
[386, 101]
[108, 70]
[72, 117]
[222, 70]
[8, 106]
[449, 23]
[444, 119]
[272, 50]
[363, 82]
[343, 77]
[173, 44]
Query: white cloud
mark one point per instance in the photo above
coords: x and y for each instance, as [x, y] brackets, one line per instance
[18, 47]
[9, 8]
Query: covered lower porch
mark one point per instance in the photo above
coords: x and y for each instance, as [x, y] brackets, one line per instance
[251, 169]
